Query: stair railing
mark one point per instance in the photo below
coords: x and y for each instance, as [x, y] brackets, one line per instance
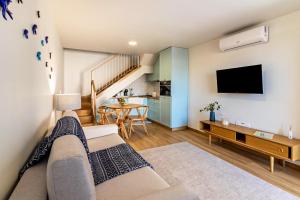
[93, 101]
[114, 69]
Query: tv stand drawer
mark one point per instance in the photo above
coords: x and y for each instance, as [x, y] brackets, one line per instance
[225, 133]
[268, 146]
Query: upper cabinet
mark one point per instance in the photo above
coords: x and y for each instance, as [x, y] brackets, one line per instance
[165, 59]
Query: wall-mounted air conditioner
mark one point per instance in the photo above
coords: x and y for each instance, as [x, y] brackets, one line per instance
[254, 36]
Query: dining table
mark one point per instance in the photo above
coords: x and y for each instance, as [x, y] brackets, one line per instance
[122, 112]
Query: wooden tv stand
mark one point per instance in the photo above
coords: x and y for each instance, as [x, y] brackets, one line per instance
[279, 147]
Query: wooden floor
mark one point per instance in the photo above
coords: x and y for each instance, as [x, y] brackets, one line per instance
[287, 178]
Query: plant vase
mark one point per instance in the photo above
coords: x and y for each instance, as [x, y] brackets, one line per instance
[212, 116]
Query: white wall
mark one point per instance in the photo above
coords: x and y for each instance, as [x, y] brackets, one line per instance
[26, 91]
[274, 110]
[75, 64]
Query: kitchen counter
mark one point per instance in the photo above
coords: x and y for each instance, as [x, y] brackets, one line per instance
[137, 96]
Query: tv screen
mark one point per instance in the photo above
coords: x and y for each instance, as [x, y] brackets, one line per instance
[241, 80]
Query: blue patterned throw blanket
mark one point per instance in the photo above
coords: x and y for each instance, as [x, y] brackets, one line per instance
[115, 161]
[64, 126]
[105, 164]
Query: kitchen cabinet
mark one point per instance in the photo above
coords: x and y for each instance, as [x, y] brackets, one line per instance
[165, 64]
[172, 65]
[154, 109]
[166, 111]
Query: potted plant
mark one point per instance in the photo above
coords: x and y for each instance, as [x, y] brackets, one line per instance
[121, 101]
[212, 107]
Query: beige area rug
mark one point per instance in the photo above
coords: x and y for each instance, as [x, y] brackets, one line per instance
[208, 176]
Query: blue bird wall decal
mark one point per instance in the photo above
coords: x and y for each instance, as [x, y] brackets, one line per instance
[42, 43]
[39, 55]
[25, 33]
[4, 5]
[34, 29]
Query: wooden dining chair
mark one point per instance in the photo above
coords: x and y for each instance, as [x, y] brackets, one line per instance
[105, 114]
[139, 120]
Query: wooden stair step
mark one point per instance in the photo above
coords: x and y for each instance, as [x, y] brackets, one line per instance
[86, 105]
[86, 98]
[88, 124]
[83, 112]
[86, 119]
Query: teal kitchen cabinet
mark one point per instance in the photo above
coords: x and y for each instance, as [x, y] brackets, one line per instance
[165, 65]
[165, 111]
[180, 90]
[156, 72]
[154, 109]
[172, 65]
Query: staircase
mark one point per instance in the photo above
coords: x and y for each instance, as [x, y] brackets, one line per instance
[110, 77]
[117, 78]
[85, 114]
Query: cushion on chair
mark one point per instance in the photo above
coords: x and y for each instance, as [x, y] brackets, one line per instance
[69, 174]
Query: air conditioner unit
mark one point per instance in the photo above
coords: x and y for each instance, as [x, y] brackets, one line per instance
[254, 36]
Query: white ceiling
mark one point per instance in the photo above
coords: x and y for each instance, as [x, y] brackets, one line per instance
[108, 25]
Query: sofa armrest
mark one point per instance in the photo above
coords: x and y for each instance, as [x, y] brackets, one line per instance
[100, 131]
[172, 193]
[32, 185]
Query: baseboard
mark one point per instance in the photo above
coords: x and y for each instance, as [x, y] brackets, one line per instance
[171, 129]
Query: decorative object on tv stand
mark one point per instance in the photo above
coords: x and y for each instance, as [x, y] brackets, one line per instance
[225, 122]
[67, 102]
[38, 13]
[20, 1]
[212, 107]
[4, 5]
[290, 133]
[121, 101]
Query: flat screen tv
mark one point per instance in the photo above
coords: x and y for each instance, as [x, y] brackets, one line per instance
[241, 80]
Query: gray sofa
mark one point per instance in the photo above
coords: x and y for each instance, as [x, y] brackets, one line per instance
[67, 174]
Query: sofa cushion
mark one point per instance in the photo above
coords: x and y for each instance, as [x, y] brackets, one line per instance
[130, 186]
[69, 174]
[104, 142]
